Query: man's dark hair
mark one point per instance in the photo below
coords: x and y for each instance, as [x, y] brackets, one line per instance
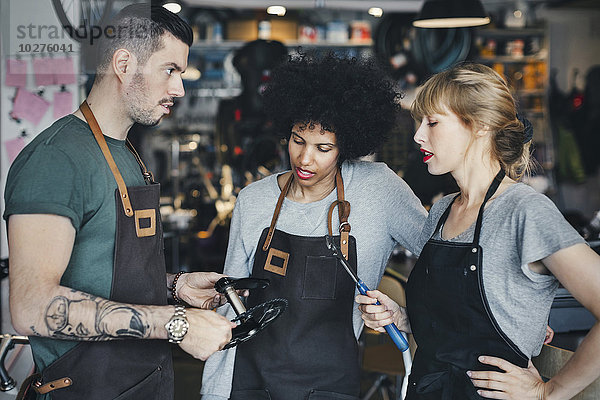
[139, 28]
[353, 98]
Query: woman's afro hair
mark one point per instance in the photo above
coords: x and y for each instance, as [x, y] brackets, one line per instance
[353, 98]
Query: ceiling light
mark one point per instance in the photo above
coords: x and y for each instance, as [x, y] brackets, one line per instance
[376, 12]
[451, 14]
[191, 74]
[173, 7]
[276, 10]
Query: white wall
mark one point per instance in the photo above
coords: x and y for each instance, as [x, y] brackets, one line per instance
[574, 42]
[24, 14]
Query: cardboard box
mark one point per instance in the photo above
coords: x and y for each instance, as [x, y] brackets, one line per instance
[244, 30]
[284, 30]
[247, 30]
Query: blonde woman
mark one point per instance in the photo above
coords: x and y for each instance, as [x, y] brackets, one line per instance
[479, 297]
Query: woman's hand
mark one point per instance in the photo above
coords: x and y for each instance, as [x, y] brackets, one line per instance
[549, 334]
[515, 383]
[378, 316]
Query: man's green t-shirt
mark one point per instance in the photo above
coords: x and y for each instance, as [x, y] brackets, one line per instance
[63, 172]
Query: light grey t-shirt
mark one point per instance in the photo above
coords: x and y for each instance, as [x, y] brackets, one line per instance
[519, 227]
[384, 212]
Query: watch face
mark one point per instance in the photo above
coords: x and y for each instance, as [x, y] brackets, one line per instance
[178, 327]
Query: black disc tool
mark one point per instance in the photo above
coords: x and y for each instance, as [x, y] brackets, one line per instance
[255, 319]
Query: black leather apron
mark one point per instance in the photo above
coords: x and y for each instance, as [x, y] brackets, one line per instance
[124, 369]
[451, 318]
[310, 352]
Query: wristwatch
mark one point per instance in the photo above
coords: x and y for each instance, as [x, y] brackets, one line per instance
[177, 326]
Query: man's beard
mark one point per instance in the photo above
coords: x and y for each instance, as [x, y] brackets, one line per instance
[136, 97]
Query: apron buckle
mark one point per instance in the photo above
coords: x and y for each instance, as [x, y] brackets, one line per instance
[278, 255]
[149, 215]
[51, 386]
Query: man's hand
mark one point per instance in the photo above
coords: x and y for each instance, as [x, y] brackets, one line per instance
[208, 333]
[198, 290]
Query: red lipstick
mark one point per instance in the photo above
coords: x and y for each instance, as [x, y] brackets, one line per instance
[303, 174]
[426, 155]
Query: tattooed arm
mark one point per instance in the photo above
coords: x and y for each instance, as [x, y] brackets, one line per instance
[40, 248]
[94, 318]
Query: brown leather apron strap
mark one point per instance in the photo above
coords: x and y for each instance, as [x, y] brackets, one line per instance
[26, 391]
[50, 386]
[344, 227]
[282, 195]
[91, 120]
[339, 183]
[148, 176]
[343, 212]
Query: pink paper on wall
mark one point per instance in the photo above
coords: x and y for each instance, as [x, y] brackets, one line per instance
[13, 148]
[29, 106]
[64, 72]
[43, 70]
[63, 104]
[16, 73]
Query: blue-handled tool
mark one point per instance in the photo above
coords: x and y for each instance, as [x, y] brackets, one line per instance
[391, 329]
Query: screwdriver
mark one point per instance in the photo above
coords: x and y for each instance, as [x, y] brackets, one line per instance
[391, 329]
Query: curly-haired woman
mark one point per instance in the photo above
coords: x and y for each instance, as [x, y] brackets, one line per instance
[335, 110]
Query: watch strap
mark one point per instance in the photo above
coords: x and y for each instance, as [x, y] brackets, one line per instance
[178, 314]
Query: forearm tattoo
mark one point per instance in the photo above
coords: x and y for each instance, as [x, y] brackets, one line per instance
[94, 319]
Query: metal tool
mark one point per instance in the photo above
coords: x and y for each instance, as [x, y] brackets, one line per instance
[7, 343]
[257, 318]
[391, 329]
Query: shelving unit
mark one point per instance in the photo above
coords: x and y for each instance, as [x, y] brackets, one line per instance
[219, 80]
[216, 81]
[234, 44]
[521, 56]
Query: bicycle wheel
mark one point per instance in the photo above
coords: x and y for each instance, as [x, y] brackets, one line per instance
[394, 46]
[438, 49]
[78, 15]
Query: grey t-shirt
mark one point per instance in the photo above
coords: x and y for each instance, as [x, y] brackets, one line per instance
[519, 227]
[384, 212]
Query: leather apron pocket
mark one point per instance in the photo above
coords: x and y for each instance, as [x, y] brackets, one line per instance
[258, 394]
[452, 285]
[325, 395]
[320, 274]
[145, 389]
